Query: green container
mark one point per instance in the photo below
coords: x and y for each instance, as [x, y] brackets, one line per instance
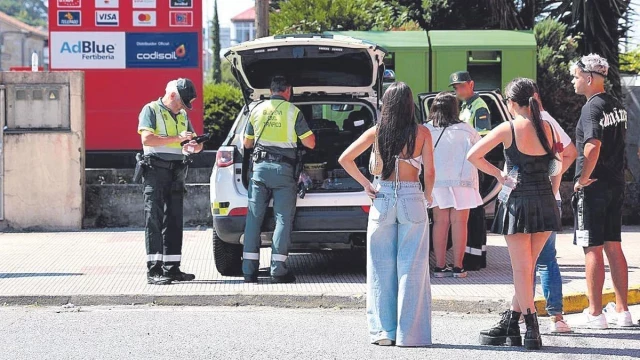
[408, 54]
[492, 57]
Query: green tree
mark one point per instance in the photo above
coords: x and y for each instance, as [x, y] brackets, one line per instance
[556, 52]
[599, 22]
[32, 12]
[222, 104]
[215, 36]
[296, 16]
[470, 14]
[630, 62]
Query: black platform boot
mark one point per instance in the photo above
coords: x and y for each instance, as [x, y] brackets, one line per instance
[532, 339]
[506, 331]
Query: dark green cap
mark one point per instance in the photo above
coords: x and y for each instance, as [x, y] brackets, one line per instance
[459, 77]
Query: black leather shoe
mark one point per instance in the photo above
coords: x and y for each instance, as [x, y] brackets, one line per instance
[505, 332]
[158, 279]
[177, 275]
[285, 279]
[532, 339]
[251, 279]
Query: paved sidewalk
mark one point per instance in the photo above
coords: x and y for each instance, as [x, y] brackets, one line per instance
[108, 267]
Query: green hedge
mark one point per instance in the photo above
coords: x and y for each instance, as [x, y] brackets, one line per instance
[222, 103]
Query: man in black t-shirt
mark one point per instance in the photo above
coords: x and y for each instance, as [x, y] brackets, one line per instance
[599, 191]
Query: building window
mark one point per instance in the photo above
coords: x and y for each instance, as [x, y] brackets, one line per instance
[244, 31]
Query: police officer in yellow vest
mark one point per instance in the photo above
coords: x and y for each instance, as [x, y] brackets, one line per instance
[163, 125]
[474, 110]
[273, 130]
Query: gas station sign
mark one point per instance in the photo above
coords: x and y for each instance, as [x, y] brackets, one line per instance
[128, 50]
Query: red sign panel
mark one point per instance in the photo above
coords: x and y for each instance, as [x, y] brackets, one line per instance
[69, 3]
[129, 51]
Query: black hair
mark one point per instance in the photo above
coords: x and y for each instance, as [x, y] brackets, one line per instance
[444, 110]
[520, 91]
[279, 84]
[397, 128]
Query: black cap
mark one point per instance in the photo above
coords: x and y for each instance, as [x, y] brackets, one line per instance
[459, 77]
[187, 92]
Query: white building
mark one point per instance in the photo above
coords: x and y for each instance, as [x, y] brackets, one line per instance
[243, 26]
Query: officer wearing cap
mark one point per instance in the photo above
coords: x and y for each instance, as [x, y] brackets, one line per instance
[474, 110]
[273, 130]
[163, 126]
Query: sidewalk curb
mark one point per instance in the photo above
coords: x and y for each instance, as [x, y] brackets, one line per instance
[280, 301]
[576, 302]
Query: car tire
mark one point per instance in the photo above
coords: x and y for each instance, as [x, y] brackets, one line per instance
[228, 257]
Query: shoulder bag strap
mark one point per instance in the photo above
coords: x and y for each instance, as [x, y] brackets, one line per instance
[439, 137]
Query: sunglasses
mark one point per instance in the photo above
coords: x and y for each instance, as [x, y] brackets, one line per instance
[584, 69]
[506, 100]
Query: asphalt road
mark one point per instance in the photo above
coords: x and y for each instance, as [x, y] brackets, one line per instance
[168, 333]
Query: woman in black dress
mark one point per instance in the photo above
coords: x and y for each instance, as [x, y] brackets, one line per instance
[529, 213]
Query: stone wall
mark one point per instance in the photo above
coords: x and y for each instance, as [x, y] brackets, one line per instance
[111, 201]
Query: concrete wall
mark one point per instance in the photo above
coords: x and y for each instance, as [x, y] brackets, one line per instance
[112, 202]
[44, 177]
[632, 104]
[121, 205]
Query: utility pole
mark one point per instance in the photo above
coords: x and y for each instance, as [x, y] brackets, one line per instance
[262, 18]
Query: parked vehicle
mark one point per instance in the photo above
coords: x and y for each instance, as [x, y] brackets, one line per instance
[337, 82]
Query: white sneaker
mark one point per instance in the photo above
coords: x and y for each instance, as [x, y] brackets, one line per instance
[384, 342]
[622, 319]
[558, 326]
[592, 322]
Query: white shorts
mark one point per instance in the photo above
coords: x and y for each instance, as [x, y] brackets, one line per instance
[457, 197]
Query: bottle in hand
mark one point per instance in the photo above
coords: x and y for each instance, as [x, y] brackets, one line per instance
[509, 184]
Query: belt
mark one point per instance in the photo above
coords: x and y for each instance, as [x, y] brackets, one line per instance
[265, 156]
[165, 164]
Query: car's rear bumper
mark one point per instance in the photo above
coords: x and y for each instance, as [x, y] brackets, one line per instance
[312, 224]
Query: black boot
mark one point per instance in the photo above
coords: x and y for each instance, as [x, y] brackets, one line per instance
[532, 339]
[506, 331]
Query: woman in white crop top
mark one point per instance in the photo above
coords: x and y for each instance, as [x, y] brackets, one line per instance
[456, 188]
[398, 284]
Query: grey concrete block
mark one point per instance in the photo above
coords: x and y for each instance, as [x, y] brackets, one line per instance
[124, 176]
[121, 205]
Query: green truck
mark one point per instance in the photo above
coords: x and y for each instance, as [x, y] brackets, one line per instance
[424, 60]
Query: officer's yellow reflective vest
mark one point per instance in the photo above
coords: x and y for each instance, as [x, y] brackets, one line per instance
[167, 126]
[274, 123]
[468, 113]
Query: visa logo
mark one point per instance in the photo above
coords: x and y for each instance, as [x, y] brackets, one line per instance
[107, 18]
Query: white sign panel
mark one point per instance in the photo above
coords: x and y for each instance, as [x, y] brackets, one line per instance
[107, 4]
[107, 18]
[88, 50]
[144, 18]
[144, 4]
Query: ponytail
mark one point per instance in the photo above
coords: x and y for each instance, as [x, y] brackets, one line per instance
[536, 119]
